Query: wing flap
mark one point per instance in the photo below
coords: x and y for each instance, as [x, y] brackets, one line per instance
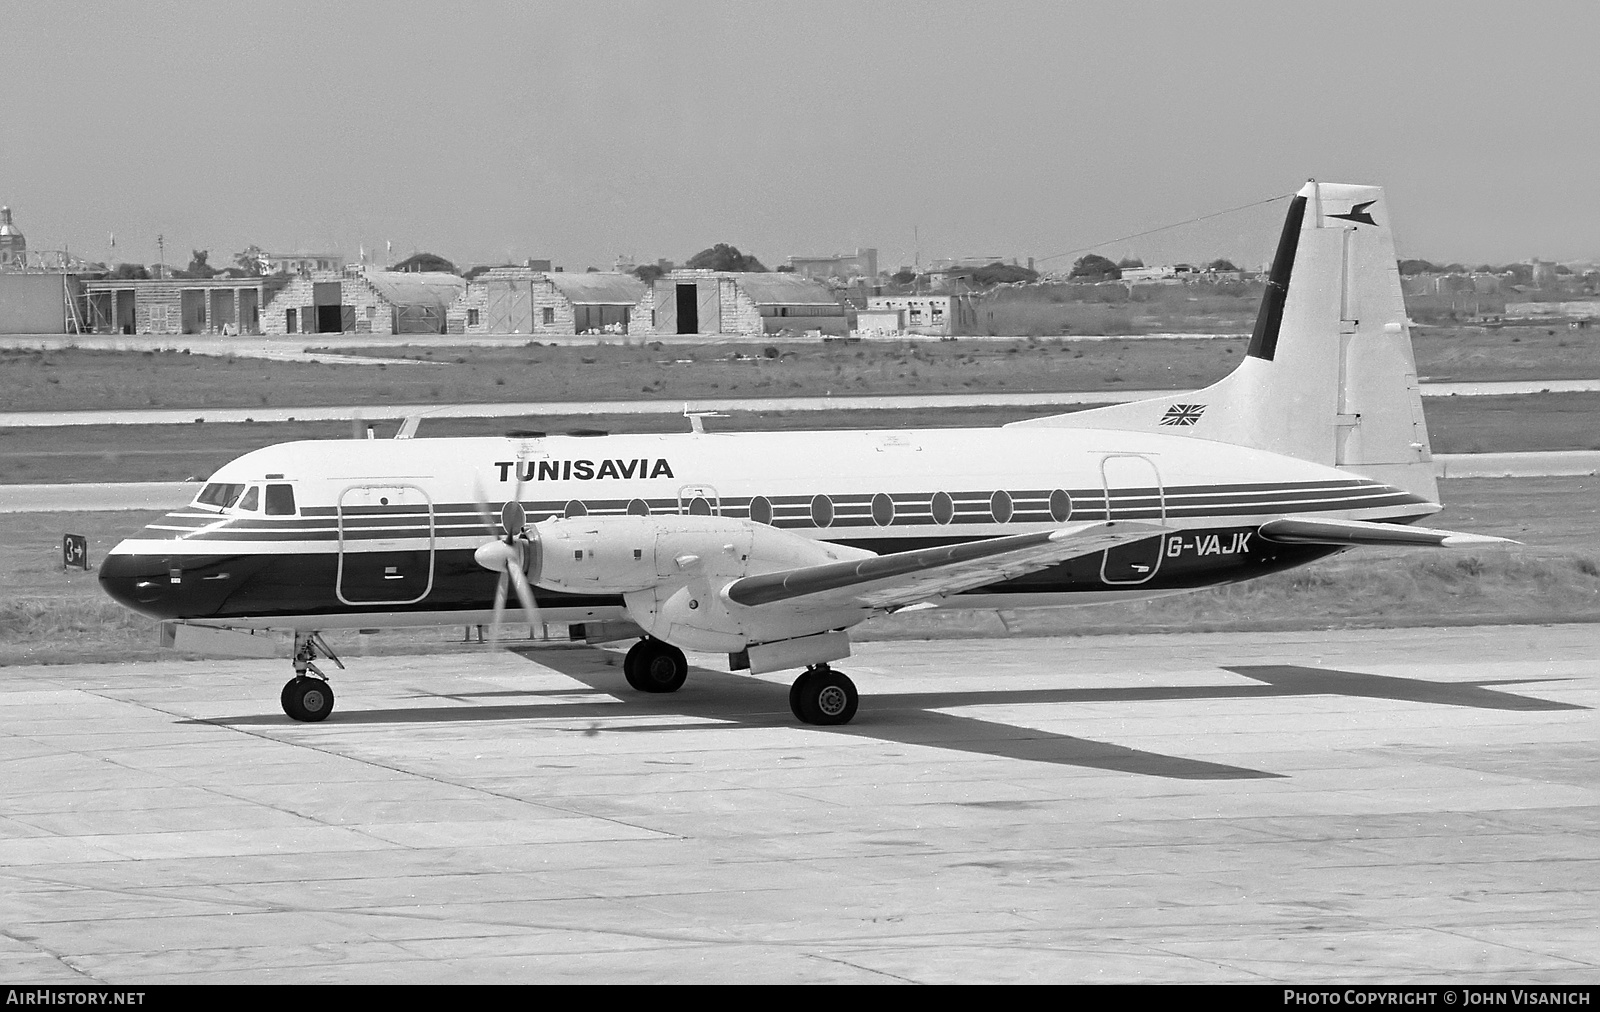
[1317, 531]
[887, 581]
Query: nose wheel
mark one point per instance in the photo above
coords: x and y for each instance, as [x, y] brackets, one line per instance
[824, 696]
[655, 666]
[307, 698]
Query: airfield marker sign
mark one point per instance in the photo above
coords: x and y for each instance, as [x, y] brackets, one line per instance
[75, 552]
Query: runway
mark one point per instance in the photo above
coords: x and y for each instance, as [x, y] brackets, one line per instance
[1400, 806]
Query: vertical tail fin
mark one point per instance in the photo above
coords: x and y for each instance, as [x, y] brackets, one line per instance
[1329, 375]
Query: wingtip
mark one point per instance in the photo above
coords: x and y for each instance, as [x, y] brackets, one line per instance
[1464, 540]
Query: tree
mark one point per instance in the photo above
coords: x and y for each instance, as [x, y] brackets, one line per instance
[784, 269]
[1130, 262]
[129, 272]
[903, 277]
[1095, 267]
[1220, 264]
[723, 257]
[418, 263]
[198, 268]
[648, 273]
[1410, 267]
[252, 260]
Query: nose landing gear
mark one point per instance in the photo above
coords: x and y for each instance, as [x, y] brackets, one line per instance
[823, 696]
[309, 697]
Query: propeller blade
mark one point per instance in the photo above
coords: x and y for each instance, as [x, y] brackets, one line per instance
[513, 518]
[499, 610]
[485, 515]
[530, 605]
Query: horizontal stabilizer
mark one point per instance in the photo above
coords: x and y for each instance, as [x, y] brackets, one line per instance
[1312, 531]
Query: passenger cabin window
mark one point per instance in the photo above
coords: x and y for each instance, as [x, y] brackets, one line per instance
[220, 494]
[252, 499]
[280, 500]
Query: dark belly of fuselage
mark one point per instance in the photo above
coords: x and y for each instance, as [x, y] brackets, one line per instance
[238, 585]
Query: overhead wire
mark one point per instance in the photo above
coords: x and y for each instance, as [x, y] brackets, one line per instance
[1163, 228]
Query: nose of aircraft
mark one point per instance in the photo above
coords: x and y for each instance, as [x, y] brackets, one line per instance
[138, 574]
[146, 583]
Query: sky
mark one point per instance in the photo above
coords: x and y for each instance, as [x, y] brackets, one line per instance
[492, 132]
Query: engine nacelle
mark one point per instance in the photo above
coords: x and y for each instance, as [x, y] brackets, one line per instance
[621, 555]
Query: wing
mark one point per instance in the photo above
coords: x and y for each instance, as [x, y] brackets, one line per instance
[1316, 531]
[892, 581]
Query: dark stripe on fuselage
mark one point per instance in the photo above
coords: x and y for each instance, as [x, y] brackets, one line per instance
[229, 585]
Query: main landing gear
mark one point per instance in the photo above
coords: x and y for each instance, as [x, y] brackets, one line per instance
[823, 696]
[308, 696]
[819, 696]
[653, 665]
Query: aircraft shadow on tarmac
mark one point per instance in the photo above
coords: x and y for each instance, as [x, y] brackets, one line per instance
[913, 718]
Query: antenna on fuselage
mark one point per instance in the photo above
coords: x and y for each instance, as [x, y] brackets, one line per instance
[697, 418]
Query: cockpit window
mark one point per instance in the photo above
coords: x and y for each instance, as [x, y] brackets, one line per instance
[252, 499]
[280, 500]
[220, 494]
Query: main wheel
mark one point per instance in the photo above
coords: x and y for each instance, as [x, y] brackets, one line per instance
[824, 696]
[794, 696]
[659, 667]
[631, 662]
[307, 699]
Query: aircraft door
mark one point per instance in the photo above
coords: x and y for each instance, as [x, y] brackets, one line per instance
[386, 545]
[699, 500]
[1133, 492]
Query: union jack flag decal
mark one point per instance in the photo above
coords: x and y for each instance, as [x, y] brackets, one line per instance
[1183, 414]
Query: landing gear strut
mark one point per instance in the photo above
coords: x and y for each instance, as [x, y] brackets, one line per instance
[308, 696]
[655, 666]
[823, 696]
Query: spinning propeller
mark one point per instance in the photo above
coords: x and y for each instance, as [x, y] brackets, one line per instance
[511, 557]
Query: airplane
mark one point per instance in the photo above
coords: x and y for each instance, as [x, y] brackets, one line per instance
[771, 546]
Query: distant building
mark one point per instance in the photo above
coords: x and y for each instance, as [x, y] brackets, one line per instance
[1581, 310]
[13, 246]
[304, 263]
[515, 300]
[363, 302]
[219, 305]
[736, 302]
[863, 263]
[936, 315]
[880, 323]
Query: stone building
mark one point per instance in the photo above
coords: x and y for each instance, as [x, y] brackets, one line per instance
[844, 266]
[303, 263]
[935, 315]
[357, 301]
[517, 300]
[13, 245]
[729, 302]
[177, 305]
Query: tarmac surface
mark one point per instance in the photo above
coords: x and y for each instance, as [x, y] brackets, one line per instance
[1400, 806]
